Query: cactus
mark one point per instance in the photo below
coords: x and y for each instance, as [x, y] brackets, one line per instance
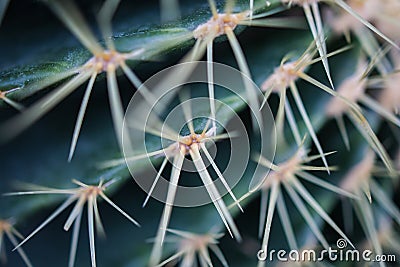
[201, 86]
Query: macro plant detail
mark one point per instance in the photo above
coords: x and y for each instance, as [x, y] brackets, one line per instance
[7, 229]
[373, 12]
[354, 89]
[187, 146]
[84, 194]
[178, 147]
[104, 60]
[224, 24]
[286, 175]
[190, 246]
[389, 97]
[12, 103]
[313, 15]
[361, 180]
[286, 76]
[191, 145]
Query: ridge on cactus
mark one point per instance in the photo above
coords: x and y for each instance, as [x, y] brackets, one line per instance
[107, 60]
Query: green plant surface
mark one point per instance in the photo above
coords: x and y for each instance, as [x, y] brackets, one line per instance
[59, 173]
[67, 55]
[39, 155]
